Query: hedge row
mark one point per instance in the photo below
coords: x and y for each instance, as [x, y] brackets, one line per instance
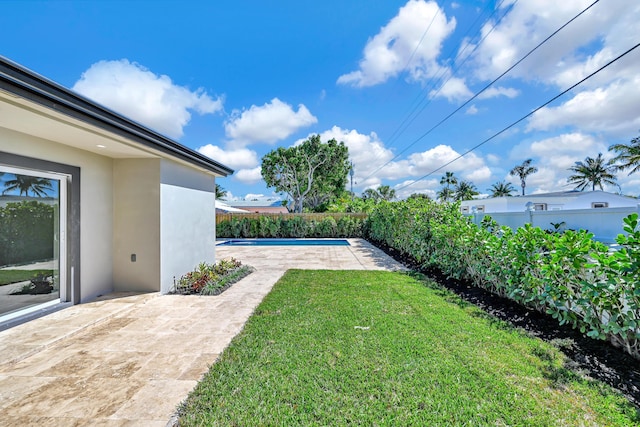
[569, 276]
[290, 226]
[26, 232]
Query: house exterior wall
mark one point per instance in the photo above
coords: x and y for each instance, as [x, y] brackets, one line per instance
[188, 227]
[136, 225]
[96, 205]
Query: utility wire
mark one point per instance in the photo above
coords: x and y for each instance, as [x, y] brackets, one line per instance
[486, 87]
[523, 117]
[431, 84]
[451, 74]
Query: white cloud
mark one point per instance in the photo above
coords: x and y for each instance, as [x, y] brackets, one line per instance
[249, 176]
[496, 91]
[368, 153]
[151, 99]
[403, 45]
[472, 110]
[613, 109]
[240, 158]
[429, 187]
[471, 166]
[271, 122]
[610, 24]
[454, 89]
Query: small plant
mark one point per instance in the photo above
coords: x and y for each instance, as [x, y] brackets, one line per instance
[212, 279]
[40, 284]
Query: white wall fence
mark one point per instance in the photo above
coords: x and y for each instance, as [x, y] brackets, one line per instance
[605, 223]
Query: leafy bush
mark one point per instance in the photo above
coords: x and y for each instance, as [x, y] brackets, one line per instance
[211, 279]
[288, 226]
[26, 232]
[567, 275]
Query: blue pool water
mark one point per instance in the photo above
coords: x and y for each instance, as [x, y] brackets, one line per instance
[284, 242]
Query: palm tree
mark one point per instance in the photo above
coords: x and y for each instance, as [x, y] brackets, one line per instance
[522, 171]
[445, 194]
[386, 193]
[26, 183]
[465, 190]
[628, 155]
[502, 189]
[447, 181]
[370, 194]
[221, 193]
[592, 171]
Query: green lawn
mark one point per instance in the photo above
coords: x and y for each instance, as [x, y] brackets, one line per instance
[382, 348]
[14, 276]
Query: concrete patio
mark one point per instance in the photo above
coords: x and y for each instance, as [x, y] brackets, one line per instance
[129, 360]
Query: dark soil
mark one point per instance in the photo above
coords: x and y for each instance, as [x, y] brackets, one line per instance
[595, 358]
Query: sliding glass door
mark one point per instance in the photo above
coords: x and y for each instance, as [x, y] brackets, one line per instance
[33, 207]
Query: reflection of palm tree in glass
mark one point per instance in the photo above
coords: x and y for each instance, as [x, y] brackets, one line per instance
[25, 184]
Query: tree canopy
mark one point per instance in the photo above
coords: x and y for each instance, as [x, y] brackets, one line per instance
[465, 190]
[522, 171]
[628, 155]
[383, 192]
[592, 172]
[24, 184]
[502, 189]
[311, 169]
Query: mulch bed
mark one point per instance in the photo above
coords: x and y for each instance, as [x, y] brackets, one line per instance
[595, 358]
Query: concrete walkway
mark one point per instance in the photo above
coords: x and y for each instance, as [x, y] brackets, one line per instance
[129, 360]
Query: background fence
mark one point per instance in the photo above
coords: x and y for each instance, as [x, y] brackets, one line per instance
[284, 216]
[604, 223]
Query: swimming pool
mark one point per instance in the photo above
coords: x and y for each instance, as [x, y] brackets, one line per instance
[284, 242]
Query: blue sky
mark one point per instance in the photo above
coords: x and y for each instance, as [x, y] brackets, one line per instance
[235, 79]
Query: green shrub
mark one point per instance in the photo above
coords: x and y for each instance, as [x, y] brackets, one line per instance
[289, 226]
[567, 275]
[26, 232]
[211, 279]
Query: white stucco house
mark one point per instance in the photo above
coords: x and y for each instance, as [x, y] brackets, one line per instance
[564, 200]
[137, 209]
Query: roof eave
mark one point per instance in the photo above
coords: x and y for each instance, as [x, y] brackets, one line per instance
[22, 82]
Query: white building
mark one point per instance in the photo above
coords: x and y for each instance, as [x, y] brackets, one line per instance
[136, 209]
[564, 200]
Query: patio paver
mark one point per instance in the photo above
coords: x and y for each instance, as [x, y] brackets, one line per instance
[129, 360]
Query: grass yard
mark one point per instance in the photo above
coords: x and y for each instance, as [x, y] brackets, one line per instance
[13, 276]
[383, 348]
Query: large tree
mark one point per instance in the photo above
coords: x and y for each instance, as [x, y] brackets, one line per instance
[628, 155]
[522, 171]
[592, 172]
[502, 189]
[24, 184]
[312, 167]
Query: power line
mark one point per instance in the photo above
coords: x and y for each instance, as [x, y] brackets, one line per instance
[451, 74]
[432, 82]
[486, 87]
[523, 117]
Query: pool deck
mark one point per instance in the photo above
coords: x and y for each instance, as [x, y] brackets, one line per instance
[129, 360]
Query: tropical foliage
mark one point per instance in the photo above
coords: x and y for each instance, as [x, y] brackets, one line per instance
[592, 172]
[448, 181]
[628, 155]
[522, 171]
[280, 226]
[26, 184]
[26, 232]
[383, 192]
[465, 190]
[570, 276]
[212, 279]
[502, 189]
[221, 193]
